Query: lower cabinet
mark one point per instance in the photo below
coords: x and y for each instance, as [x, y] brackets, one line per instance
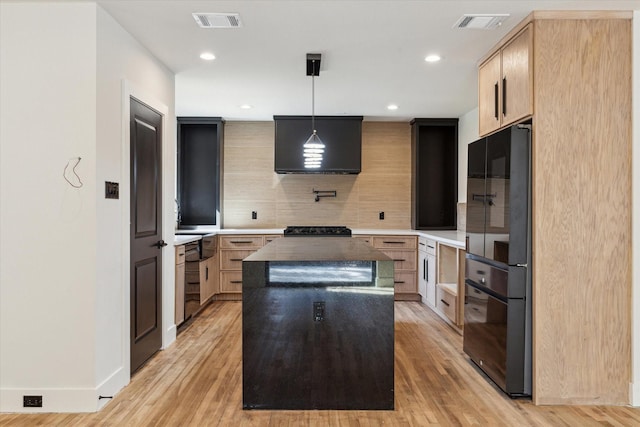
[403, 251]
[179, 286]
[427, 270]
[447, 301]
[233, 249]
[231, 282]
[450, 283]
[209, 284]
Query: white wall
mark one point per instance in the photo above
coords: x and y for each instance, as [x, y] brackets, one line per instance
[467, 133]
[122, 59]
[48, 228]
[63, 251]
[635, 302]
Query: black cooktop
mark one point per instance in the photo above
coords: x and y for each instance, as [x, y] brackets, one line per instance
[317, 230]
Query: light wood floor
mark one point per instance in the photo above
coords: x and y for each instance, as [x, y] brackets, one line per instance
[197, 381]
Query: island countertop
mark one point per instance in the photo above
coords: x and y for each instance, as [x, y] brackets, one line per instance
[317, 249]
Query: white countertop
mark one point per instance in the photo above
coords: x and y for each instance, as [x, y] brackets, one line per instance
[449, 237]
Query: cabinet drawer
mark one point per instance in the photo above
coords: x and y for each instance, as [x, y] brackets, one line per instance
[269, 239]
[405, 283]
[447, 303]
[240, 242]
[427, 245]
[232, 259]
[231, 282]
[180, 254]
[402, 260]
[366, 239]
[400, 242]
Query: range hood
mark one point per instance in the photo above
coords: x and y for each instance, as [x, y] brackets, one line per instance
[341, 135]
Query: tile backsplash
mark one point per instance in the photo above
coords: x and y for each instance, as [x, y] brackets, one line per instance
[250, 184]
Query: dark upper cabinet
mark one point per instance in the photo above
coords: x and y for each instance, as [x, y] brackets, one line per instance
[434, 174]
[199, 170]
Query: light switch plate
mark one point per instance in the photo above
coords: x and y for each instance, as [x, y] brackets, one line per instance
[111, 190]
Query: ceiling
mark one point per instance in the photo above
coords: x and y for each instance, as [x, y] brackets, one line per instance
[372, 53]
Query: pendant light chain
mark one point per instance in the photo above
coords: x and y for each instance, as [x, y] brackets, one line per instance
[313, 97]
[313, 148]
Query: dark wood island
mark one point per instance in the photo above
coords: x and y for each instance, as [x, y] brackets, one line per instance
[317, 325]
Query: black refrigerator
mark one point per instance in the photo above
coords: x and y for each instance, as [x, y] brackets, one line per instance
[497, 310]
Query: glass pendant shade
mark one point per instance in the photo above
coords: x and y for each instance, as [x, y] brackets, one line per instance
[313, 149]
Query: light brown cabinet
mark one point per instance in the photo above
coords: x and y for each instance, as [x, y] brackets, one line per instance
[403, 251]
[179, 286]
[450, 283]
[233, 249]
[580, 72]
[209, 284]
[505, 84]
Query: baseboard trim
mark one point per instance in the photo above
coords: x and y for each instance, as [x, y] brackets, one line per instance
[170, 337]
[64, 399]
[53, 400]
[634, 394]
[110, 387]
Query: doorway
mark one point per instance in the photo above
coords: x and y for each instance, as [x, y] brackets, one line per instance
[145, 233]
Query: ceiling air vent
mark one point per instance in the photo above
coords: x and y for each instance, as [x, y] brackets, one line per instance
[480, 21]
[218, 20]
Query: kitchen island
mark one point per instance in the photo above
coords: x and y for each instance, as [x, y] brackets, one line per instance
[317, 325]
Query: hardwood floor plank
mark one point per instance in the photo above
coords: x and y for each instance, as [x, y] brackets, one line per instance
[198, 382]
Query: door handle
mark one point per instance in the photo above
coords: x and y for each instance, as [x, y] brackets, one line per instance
[160, 244]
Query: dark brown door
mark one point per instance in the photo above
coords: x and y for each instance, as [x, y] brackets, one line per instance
[145, 233]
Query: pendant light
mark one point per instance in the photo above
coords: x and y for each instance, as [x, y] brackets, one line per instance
[313, 147]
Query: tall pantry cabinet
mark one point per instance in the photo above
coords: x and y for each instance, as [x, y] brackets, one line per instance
[578, 95]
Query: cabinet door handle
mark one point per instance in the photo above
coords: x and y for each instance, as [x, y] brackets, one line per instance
[236, 281]
[444, 302]
[398, 282]
[241, 241]
[235, 259]
[495, 100]
[504, 96]
[393, 242]
[399, 260]
[426, 270]
[206, 273]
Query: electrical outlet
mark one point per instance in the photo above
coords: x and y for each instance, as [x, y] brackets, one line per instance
[254, 214]
[32, 401]
[318, 311]
[381, 215]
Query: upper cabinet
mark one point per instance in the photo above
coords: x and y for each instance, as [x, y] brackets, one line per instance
[505, 84]
[434, 174]
[199, 170]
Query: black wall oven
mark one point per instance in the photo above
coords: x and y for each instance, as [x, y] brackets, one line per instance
[497, 325]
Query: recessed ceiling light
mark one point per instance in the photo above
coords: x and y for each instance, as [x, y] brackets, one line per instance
[432, 58]
[246, 106]
[392, 107]
[207, 56]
